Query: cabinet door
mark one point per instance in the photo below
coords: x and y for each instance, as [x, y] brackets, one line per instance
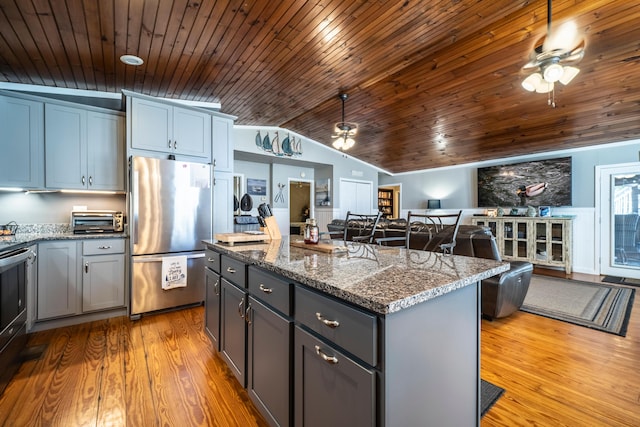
[222, 202]
[330, 388]
[102, 282]
[212, 307]
[268, 363]
[233, 342]
[21, 143]
[57, 279]
[105, 151]
[222, 144]
[191, 132]
[152, 125]
[65, 147]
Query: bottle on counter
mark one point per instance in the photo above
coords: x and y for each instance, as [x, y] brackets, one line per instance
[311, 232]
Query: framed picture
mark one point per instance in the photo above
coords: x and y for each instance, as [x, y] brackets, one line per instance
[544, 211]
[323, 197]
[257, 187]
[492, 213]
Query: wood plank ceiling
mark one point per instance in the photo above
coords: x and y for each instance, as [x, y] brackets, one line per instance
[431, 83]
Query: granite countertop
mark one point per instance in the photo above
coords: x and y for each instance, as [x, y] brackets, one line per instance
[42, 232]
[382, 279]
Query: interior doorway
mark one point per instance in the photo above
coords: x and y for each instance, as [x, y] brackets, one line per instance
[300, 206]
[389, 200]
[618, 206]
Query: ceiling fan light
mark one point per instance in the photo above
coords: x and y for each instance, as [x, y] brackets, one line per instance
[343, 131]
[531, 82]
[553, 72]
[568, 74]
[544, 87]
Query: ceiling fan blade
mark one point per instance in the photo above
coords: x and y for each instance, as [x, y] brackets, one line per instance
[564, 38]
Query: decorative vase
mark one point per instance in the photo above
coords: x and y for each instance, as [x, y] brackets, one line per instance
[500, 211]
[531, 211]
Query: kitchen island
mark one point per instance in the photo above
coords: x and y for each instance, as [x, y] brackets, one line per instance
[375, 335]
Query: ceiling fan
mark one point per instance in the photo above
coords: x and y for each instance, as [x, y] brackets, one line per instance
[344, 132]
[553, 58]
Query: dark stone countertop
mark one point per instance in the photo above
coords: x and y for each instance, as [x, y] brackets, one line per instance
[381, 279]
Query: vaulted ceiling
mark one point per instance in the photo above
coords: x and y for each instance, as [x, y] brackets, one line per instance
[430, 83]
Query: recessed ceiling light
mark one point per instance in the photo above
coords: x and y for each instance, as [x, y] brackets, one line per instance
[131, 60]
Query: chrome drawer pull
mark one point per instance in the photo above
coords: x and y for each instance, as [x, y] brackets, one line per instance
[264, 289]
[231, 270]
[104, 247]
[211, 260]
[329, 323]
[329, 359]
[247, 315]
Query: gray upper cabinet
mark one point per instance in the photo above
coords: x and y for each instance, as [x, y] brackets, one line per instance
[83, 149]
[21, 143]
[105, 153]
[164, 128]
[222, 148]
[223, 202]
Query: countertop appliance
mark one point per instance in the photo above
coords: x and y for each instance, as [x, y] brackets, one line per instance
[14, 265]
[170, 214]
[96, 221]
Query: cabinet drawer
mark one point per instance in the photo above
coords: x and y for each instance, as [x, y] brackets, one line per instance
[270, 289]
[212, 260]
[332, 389]
[103, 246]
[348, 327]
[233, 270]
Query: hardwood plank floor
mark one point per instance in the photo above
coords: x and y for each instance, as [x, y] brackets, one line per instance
[559, 374]
[158, 371]
[162, 370]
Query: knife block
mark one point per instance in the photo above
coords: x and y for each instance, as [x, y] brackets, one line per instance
[272, 228]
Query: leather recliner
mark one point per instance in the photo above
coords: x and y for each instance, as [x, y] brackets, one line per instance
[503, 294]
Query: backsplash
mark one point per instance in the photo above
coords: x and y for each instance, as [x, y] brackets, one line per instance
[43, 228]
[52, 208]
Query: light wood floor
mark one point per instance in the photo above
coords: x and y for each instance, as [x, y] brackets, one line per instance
[158, 371]
[558, 374]
[161, 370]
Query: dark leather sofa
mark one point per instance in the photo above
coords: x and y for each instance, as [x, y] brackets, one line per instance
[501, 295]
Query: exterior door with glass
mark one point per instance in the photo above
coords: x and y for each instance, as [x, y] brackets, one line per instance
[618, 215]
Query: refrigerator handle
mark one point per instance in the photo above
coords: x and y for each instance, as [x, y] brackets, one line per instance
[135, 205]
[153, 258]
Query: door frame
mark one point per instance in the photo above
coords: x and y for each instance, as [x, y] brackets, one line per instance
[604, 227]
[311, 197]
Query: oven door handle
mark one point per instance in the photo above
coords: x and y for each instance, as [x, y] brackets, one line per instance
[12, 258]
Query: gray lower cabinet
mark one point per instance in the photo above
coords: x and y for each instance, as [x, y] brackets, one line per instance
[269, 344]
[80, 276]
[335, 357]
[212, 306]
[233, 329]
[58, 279]
[332, 389]
[103, 274]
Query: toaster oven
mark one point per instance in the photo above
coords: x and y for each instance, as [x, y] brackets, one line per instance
[83, 222]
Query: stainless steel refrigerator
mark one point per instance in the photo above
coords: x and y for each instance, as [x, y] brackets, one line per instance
[170, 205]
